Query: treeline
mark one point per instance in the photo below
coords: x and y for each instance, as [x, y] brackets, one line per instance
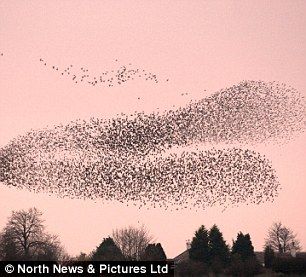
[24, 238]
[210, 253]
[128, 244]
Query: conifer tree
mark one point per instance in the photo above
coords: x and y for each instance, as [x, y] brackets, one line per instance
[154, 252]
[107, 251]
[268, 256]
[199, 250]
[243, 246]
[218, 249]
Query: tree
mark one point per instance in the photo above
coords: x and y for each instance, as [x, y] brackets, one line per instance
[8, 249]
[24, 238]
[82, 257]
[268, 256]
[132, 241]
[243, 246]
[154, 252]
[107, 251]
[218, 250]
[199, 250]
[281, 238]
[50, 249]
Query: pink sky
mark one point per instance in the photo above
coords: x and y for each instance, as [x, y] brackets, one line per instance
[198, 45]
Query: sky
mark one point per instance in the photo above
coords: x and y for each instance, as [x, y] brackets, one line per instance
[200, 46]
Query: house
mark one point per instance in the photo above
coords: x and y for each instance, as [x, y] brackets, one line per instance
[184, 256]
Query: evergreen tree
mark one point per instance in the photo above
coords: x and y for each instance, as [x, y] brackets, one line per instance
[218, 250]
[107, 251]
[268, 256]
[199, 250]
[243, 246]
[154, 252]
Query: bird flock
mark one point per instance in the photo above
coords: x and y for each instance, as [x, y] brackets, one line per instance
[134, 159]
[191, 179]
[108, 78]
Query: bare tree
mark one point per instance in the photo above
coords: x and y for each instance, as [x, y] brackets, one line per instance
[132, 241]
[281, 238]
[24, 238]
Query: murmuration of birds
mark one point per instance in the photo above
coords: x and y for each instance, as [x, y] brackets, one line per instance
[224, 177]
[109, 78]
[127, 158]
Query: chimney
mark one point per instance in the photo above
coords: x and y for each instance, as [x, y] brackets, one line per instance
[188, 244]
[293, 250]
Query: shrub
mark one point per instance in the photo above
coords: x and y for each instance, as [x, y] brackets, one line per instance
[290, 265]
[239, 267]
[191, 269]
